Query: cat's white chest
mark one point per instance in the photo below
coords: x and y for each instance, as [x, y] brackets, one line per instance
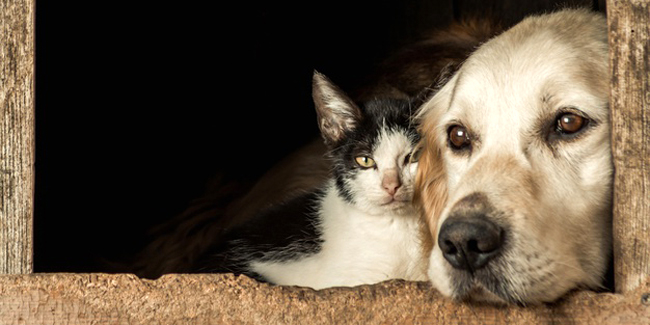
[358, 249]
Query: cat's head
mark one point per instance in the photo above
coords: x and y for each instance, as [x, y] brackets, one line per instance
[371, 146]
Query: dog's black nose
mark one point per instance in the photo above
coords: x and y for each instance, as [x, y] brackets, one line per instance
[469, 243]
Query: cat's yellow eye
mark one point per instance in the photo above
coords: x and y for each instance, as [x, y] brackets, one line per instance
[365, 162]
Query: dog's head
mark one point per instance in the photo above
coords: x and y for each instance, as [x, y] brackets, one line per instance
[515, 175]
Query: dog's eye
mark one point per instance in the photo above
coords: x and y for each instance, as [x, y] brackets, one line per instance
[458, 137]
[570, 123]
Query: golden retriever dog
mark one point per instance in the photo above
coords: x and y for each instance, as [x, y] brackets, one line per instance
[518, 141]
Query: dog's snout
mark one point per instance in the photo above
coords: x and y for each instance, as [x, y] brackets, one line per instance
[470, 243]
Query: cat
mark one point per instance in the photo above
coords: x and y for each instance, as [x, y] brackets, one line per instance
[360, 227]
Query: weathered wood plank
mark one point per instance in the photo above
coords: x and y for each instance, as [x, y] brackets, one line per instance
[16, 134]
[225, 299]
[629, 40]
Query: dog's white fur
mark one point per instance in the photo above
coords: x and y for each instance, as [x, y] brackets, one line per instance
[552, 196]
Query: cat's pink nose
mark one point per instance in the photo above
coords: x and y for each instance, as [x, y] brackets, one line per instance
[391, 182]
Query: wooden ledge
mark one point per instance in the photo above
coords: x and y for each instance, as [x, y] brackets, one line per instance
[213, 298]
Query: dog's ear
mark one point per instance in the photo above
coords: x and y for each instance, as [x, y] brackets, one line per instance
[431, 181]
[431, 186]
[336, 112]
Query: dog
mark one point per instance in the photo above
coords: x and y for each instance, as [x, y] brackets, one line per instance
[515, 173]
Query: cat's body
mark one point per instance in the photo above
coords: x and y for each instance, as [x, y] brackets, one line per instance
[338, 246]
[360, 227]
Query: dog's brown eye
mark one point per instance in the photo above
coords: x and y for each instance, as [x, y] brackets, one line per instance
[570, 123]
[458, 137]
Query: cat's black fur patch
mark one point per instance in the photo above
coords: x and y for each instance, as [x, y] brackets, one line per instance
[283, 233]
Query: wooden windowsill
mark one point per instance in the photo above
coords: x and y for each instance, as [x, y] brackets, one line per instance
[61, 298]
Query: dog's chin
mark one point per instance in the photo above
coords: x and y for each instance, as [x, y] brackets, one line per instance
[496, 290]
[472, 289]
[478, 294]
[463, 286]
[494, 286]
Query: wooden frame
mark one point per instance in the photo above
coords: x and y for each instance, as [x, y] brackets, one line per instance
[199, 299]
[16, 135]
[629, 40]
[225, 299]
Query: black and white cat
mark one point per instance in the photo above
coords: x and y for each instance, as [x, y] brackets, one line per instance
[361, 226]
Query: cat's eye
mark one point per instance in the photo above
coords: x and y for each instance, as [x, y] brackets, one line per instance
[365, 162]
[413, 156]
[458, 137]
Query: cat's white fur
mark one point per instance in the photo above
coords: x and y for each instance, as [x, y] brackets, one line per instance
[367, 241]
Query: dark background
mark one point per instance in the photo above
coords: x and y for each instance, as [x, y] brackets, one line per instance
[138, 103]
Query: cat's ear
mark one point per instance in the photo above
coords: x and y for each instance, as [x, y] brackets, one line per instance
[336, 111]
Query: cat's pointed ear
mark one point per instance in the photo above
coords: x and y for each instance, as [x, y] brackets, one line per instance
[336, 111]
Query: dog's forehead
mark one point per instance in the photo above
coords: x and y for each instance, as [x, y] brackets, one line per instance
[512, 81]
[504, 76]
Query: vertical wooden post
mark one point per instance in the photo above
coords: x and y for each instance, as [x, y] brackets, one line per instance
[16, 135]
[629, 41]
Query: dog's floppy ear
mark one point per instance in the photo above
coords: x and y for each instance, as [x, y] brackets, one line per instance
[335, 110]
[431, 182]
[431, 185]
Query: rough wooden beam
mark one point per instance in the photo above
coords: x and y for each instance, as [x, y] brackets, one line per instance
[225, 299]
[629, 40]
[16, 134]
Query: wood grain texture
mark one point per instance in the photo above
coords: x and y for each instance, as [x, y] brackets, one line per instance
[16, 135]
[629, 40]
[226, 299]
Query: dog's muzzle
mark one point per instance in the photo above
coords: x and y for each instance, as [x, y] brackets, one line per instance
[469, 240]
